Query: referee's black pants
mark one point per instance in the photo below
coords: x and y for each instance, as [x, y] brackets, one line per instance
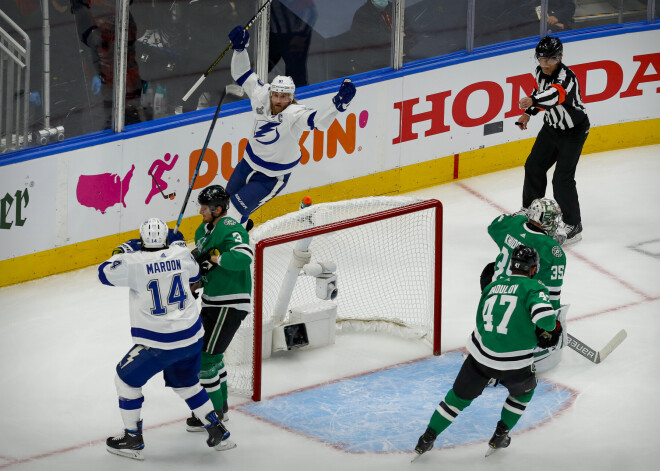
[563, 148]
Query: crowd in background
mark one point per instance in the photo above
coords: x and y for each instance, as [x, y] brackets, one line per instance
[171, 42]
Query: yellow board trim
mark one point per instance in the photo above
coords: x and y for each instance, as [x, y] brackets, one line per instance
[396, 181]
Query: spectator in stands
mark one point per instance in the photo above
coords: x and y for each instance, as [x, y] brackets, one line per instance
[370, 37]
[291, 23]
[434, 28]
[96, 26]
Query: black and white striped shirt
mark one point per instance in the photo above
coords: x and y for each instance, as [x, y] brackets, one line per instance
[559, 96]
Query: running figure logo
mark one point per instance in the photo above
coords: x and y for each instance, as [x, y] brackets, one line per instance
[158, 185]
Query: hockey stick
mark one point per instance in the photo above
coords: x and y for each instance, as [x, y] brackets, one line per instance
[171, 196]
[199, 161]
[593, 355]
[223, 53]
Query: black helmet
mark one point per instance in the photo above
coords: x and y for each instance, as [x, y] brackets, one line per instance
[214, 196]
[525, 259]
[549, 47]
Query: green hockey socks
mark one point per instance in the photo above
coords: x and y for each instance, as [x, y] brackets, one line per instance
[209, 378]
[514, 407]
[447, 411]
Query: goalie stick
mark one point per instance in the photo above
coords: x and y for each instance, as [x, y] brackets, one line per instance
[593, 355]
[585, 350]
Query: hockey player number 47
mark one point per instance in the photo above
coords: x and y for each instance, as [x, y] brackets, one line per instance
[176, 295]
[504, 299]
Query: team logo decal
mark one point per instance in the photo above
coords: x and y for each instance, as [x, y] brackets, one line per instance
[556, 251]
[264, 129]
[229, 222]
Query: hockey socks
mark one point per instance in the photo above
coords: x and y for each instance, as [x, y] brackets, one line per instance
[514, 407]
[447, 411]
[209, 378]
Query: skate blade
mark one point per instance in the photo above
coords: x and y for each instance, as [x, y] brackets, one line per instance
[225, 445]
[225, 418]
[416, 457]
[133, 454]
[191, 428]
[572, 241]
[490, 451]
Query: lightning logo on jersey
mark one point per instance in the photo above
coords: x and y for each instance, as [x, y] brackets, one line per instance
[264, 129]
[132, 355]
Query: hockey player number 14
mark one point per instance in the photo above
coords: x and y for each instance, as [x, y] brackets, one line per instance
[509, 301]
[176, 295]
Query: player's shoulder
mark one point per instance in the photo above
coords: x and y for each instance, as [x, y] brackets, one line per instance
[229, 224]
[296, 110]
[549, 247]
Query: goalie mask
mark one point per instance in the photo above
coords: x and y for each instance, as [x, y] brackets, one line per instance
[214, 196]
[525, 259]
[153, 233]
[283, 84]
[546, 213]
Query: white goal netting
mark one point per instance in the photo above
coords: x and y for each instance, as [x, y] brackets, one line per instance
[386, 271]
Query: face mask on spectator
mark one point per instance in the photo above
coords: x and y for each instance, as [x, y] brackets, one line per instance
[380, 3]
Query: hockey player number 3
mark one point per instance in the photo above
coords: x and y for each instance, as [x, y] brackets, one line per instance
[488, 312]
[177, 295]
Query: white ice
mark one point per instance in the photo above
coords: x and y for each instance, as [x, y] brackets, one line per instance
[61, 336]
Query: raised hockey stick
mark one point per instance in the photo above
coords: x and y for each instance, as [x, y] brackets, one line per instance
[223, 53]
[201, 158]
[593, 355]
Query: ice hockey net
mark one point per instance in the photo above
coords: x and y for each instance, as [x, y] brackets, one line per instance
[388, 252]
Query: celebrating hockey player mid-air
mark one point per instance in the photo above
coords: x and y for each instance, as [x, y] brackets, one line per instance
[167, 332]
[501, 347]
[273, 149]
[537, 228]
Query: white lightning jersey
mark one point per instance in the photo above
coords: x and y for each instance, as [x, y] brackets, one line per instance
[163, 312]
[273, 147]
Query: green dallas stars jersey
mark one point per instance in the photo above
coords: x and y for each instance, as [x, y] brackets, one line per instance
[509, 310]
[229, 284]
[509, 232]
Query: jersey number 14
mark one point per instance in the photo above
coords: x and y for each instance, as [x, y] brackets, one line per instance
[176, 295]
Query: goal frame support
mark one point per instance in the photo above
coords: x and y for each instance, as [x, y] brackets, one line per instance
[333, 227]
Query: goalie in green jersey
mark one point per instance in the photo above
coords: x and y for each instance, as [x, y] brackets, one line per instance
[224, 254]
[537, 229]
[501, 347]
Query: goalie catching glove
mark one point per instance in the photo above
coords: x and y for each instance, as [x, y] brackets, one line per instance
[549, 339]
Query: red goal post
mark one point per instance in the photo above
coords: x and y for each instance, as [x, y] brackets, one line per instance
[410, 228]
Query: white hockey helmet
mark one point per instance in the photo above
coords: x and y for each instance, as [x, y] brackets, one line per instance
[154, 233]
[547, 213]
[283, 84]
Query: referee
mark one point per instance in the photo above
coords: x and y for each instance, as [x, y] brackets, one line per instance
[560, 141]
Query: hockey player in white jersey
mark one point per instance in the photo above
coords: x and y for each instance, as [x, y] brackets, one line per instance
[167, 332]
[273, 149]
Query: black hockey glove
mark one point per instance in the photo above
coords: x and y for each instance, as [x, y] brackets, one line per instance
[548, 339]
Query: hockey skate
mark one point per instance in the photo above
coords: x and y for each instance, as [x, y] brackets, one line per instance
[573, 233]
[218, 433]
[500, 438]
[129, 444]
[425, 442]
[194, 424]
